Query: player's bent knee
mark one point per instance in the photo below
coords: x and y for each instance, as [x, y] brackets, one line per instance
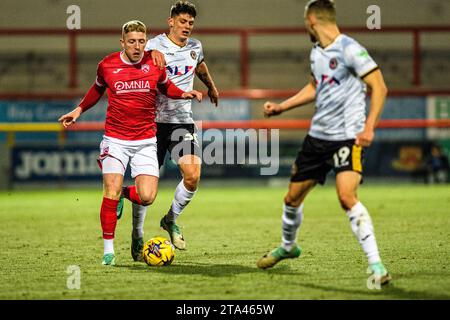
[291, 201]
[147, 200]
[347, 201]
[191, 181]
[148, 197]
[111, 191]
[146, 203]
[112, 194]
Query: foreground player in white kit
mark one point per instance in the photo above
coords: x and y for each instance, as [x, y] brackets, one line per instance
[341, 68]
[132, 81]
[176, 132]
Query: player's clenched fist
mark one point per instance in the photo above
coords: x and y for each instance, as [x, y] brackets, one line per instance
[365, 138]
[71, 117]
[213, 95]
[271, 109]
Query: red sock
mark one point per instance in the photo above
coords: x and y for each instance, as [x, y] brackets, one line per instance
[131, 194]
[108, 217]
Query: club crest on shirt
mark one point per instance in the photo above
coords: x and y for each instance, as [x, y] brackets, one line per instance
[193, 55]
[145, 68]
[333, 63]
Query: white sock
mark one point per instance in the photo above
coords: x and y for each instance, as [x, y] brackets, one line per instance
[291, 221]
[362, 228]
[181, 199]
[139, 213]
[108, 246]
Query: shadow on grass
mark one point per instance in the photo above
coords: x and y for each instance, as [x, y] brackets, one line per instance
[282, 270]
[224, 270]
[389, 290]
[211, 270]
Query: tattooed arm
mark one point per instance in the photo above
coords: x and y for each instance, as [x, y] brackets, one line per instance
[203, 73]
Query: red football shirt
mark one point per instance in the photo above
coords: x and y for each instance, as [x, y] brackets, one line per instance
[132, 89]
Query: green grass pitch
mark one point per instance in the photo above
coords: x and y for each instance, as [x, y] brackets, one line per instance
[227, 230]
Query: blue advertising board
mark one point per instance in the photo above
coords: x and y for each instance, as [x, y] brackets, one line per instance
[79, 162]
[46, 111]
[47, 163]
[403, 108]
[50, 111]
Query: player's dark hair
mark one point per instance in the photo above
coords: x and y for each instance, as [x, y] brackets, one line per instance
[323, 9]
[183, 7]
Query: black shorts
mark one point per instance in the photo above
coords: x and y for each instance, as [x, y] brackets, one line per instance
[179, 139]
[318, 157]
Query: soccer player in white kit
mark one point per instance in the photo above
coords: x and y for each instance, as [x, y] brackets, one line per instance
[176, 131]
[341, 69]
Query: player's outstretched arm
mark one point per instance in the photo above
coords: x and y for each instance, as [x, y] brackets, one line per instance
[379, 92]
[203, 74]
[304, 96]
[169, 89]
[90, 99]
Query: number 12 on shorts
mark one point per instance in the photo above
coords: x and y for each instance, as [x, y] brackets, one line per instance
[341, 157]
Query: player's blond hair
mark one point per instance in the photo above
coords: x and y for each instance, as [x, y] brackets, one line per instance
[324, 10]
[133, 25]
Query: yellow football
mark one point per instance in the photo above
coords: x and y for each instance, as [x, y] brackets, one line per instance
[158, 251]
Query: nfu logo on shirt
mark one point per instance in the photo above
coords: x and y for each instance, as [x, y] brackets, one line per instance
[175, 71]
[326, 79]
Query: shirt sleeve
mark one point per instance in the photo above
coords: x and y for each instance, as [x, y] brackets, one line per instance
[200, 57]
[359, 59]
[311, 64]
[100, 80]
[93, 95]
[163, 77]
[169, 89]
[96, 91]
[151, 45]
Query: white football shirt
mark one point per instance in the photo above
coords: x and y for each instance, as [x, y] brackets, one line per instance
[180, 67]
[338, 70]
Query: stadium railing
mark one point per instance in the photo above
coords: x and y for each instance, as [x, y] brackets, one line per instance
[244, 35]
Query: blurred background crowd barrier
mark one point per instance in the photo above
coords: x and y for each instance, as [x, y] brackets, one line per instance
[255, 50]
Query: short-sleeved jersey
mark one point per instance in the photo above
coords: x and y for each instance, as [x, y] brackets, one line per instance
[132, 89]
[338, 71]
[180, 67]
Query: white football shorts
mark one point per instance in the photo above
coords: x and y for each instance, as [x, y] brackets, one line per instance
[116, 153]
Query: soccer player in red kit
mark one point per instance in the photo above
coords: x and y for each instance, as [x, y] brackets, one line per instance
[132, 80]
